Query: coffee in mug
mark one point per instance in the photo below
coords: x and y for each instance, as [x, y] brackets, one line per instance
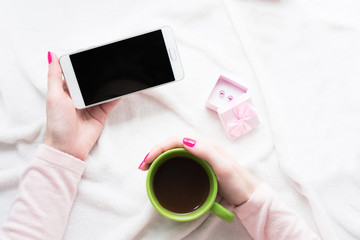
[181, 185]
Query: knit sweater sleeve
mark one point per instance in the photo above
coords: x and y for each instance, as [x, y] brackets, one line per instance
[45, 196]
[266, 217]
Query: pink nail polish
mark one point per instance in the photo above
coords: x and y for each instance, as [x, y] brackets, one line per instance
[189, 142]
[49, 57]
[144, 160]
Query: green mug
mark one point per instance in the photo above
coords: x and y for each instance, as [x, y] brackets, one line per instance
[209, 204]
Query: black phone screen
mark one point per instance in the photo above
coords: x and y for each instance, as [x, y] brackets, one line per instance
[122, 67]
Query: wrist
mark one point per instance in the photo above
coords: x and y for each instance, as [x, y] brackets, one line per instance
[65, 149]
[250, 184]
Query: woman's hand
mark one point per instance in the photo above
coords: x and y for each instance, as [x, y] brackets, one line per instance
[235, 184]
[68, 129]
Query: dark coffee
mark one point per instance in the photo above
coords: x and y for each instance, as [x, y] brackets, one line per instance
[181, 185]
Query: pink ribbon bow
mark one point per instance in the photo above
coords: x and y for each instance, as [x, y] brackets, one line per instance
[243, 113]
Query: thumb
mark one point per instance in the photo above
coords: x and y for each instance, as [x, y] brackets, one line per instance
[204, 150]
[55, 81]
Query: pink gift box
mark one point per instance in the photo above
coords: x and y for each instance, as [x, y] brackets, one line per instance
[238, 117]
[229, 88]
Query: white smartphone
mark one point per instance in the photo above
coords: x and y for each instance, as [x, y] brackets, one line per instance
[103, 73]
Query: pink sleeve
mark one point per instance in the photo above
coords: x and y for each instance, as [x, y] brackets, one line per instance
[265, 217]
[46, 193]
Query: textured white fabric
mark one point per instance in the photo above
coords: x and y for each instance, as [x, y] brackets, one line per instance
[299, 59]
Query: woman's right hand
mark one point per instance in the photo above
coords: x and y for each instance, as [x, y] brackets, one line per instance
[68, 129]
[236, 185]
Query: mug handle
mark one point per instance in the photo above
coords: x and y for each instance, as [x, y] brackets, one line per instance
[222, 212]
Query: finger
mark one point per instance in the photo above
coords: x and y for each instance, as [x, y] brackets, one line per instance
[55, 81]
[107, 107]
[100, 112]
[207, 150]
[170, 143]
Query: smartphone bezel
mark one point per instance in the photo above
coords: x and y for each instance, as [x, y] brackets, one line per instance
[72, 83]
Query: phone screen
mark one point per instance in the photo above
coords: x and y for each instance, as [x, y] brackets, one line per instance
[122, 67]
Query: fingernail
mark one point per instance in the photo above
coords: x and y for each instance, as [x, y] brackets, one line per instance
[189, 142]
[49, 57]
[143, 160]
